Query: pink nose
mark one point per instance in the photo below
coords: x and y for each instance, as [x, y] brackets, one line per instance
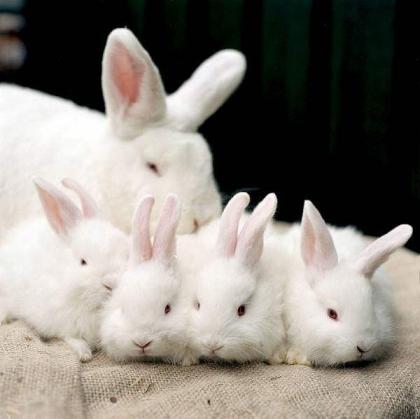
[215, 348]
[145, 345]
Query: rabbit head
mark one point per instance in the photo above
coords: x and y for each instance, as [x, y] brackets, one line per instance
[100, 250]
[143, 319]
[342, 312]
[233, 304]
[161, 149]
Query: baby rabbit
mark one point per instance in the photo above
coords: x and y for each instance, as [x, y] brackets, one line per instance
[337, 305]
[237, 296]
[144, 319]
[56, 276]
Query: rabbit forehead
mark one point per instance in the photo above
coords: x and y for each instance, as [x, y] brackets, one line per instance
[226, 281]
[172, 145]
[347, 290]
[148, 285]
[100, 240]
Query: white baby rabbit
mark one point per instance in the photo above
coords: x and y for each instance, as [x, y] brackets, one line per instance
[144, 319]
[236, 298]
[56, 275]
[338, 306]
[146, 144]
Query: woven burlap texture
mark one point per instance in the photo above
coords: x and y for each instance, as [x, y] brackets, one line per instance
[45, 380]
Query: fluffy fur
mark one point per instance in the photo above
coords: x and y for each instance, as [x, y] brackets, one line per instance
[146, 143]
[145, 317]
[235, 276]
[56, 276]
[332, 269]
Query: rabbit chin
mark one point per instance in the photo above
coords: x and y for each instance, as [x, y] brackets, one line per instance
[341, 355]
[231, 354]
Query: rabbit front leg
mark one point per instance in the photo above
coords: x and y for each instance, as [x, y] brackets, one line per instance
[294, 357]
[81, 347]
[189, 358]
[278, 356]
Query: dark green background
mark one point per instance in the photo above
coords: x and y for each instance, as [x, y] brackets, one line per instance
[329, 109]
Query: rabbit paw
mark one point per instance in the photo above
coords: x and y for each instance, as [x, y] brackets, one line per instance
[189, 359]
[81, 347]
[278, 357]
[296, 358]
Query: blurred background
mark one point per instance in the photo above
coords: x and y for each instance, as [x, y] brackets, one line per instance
[329, 109]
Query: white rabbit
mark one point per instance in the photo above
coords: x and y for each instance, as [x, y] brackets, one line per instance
[145, 317]
[338, 306]
[56, 275]
[236, 298]
[146, 143]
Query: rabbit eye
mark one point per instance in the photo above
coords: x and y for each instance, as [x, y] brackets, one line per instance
[197, 305]
[153, 167]
[332, 314]
[83, 262]
[167, 308]
[241, 310]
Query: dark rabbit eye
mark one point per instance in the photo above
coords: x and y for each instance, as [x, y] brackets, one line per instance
[153, 167]
[83, 262]
[167, 308]
[197, 305]
[332, 314]
[241, 310]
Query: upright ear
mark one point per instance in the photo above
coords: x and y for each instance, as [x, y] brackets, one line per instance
[89, 206]
[207, 89]
[141, 248]
[379, 251]
[164, 244]
[229, 223]
[317, 246]
[131, 85]
[61, 213]
[251, 239]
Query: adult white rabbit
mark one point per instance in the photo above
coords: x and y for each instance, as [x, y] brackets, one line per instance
[146, 143]
[338, 305]
[145, 317]
[235, 297]
[56, 275]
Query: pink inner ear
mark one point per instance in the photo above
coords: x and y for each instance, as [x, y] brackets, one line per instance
[127, 73]
[53, 214]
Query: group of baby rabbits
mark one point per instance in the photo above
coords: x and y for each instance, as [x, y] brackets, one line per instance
[235, 290]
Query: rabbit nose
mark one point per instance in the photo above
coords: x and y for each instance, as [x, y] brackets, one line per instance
[215, 348]
[362, 350]
[145, 345]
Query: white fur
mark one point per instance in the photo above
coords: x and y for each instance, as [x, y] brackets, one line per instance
[317, 283]
[219, 279]
[135, 314]
[42, 135]
[43, 282]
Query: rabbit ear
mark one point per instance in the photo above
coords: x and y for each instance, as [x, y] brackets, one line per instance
[141, 249]
[89, 207]
[229, 223]
[164, 244]
[131, 84]
[206, 90]
[317, 246]
[379, 251]
[251, 239]
[60, 211]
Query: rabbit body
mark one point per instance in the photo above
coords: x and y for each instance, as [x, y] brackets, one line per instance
[145, 144]
[57, 283]
[337, 299]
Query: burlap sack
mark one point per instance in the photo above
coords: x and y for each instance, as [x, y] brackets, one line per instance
[45, 380]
